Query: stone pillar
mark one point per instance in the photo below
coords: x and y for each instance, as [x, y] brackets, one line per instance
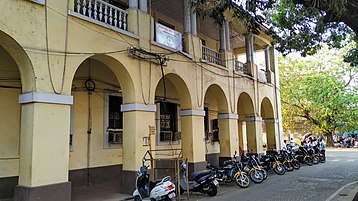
[228, 136]
[227, 35]
[44, 147]
[244, 136]
[268, 64]
[222, 38]
[276, 82]
[254, 134]
[143, 5]
[193, 138]
[271, 134]
[132, 19]
[194, 31]
[133, 4]
[267, 58]
[136, 121]
[187, 14]
[249, 44]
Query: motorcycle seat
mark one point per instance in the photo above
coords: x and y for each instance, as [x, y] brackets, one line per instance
[262, 163]
[199, 174]
[152, 184]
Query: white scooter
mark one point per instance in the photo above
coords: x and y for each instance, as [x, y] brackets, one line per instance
[158, 190]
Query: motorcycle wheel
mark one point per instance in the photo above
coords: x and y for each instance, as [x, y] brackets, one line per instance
[309, 161]
[213, 190]
[256, 176]
[296, 164]
[316, 160]
[323, 159]
[279, 169]
[242, 180]
[264, 173]
[288, 166]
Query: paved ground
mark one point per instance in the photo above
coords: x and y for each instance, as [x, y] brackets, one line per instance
[323, 182]
[318, 182]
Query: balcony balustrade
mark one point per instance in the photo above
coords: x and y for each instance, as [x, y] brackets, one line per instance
[102, 11]
[262, 76]
[241, 68]
[211, 55]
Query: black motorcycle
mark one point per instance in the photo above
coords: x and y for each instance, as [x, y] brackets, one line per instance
[201, 181]
[232, 170]
[271, 161]
[253, 169]
[303, 155]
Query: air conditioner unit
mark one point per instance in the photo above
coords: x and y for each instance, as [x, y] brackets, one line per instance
[166, 136]
[115, 137]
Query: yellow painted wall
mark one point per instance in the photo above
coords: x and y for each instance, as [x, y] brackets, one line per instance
[138, 81]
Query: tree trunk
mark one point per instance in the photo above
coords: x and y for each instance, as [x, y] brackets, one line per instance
[329, 139]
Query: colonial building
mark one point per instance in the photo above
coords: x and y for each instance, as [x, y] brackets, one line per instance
[83, 83]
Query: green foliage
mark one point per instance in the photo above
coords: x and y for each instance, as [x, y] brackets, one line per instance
[319, 91]
[299, 28]
[296, 25]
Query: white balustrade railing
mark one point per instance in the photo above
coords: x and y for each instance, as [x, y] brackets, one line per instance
[102, 11]
[241, 68]
[262, 76]
[211, 55]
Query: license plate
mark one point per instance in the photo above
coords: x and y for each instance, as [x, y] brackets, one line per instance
[171, 195]
[216, 183]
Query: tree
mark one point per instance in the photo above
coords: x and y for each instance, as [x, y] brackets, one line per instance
[296, 25]
[318, 91]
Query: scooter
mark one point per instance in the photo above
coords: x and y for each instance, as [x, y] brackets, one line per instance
[158, 190]
[201, 181]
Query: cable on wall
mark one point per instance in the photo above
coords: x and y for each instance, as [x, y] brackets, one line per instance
[48, 52]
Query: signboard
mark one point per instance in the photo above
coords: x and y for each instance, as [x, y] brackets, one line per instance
[168, 37]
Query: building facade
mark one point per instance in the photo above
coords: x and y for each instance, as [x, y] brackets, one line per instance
[86, 85]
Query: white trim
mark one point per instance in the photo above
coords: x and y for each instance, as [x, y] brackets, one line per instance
[42, 2]
[138, 107]
[228, 116]
[192, 113]
[253, 118]
[271, 120]
[102, 24]
[39, 97]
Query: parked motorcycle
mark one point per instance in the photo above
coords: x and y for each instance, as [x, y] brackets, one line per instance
[201, 181]
[286, 160]
[296, 164]
[252, 168]
[232, 170]
[271, 161]
[303, 155]
[158, 190]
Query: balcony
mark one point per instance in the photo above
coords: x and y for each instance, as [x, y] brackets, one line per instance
[101, 11]
[241, 68]
[211, 55]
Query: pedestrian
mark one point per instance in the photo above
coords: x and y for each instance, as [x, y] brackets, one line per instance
[292, 143]
[353, 141]
[322, 148]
